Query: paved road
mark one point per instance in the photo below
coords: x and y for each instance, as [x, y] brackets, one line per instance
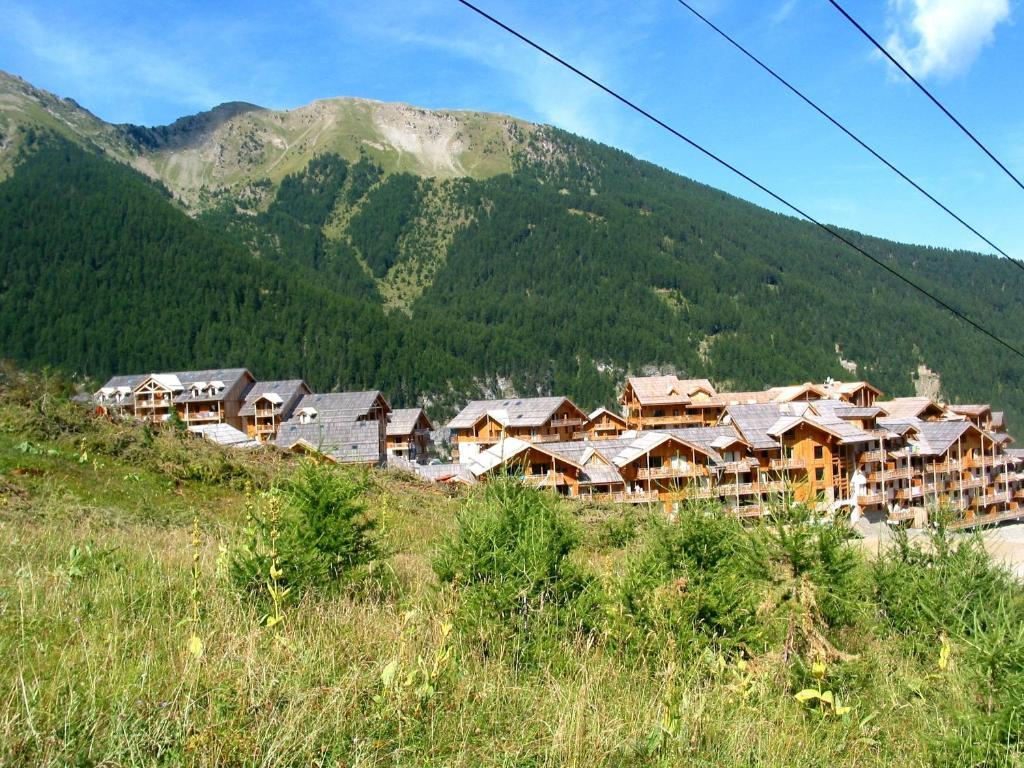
[1005, 543]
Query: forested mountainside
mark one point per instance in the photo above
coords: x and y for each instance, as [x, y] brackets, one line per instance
[525, 259]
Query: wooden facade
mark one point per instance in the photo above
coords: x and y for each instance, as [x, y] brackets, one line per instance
[602, 424]
[484, 423]
[408, 434]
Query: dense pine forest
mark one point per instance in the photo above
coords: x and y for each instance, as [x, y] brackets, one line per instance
[579, 266]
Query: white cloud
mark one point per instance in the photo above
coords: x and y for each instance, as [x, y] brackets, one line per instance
[108, 67]
[783, 12]
[943, 37]
[553, 94]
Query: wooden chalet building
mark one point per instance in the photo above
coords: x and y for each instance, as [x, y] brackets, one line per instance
[344, 427]
[601, 425]
[408, 434]
[835, 446]
[483, 423]
[665, 402]
[212, 396]
[268, 404]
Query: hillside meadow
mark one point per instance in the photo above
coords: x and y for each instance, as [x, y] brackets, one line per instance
[166, 602]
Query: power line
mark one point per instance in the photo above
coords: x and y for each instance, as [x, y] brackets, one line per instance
[842, 127]
[926, 92]
[708, 153]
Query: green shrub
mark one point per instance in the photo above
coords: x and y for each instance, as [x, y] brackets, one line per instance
[324, 533]
[624, 526]
[692, 584]
[947, 586]
[943, 584]
[797, 545]
[510, 563]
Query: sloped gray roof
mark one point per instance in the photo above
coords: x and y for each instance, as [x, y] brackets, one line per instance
[444, 473]
[288, 390]
[900, 425]
[600, 474]
[704, 437]
[343, 440]
[904, 407]
[224, 434]
[667, 390]
[936, 437]
[626, 447]
[341, 405]
[229, 376]
[753, 422]
[131, 380]
[521, 411]
[843, 410]
[402, 421]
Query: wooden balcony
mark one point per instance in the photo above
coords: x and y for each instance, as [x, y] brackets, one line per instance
[266, 413]
[994, 498]
[785, 464]
[566, 422]
[662, 421]
[194, 416]
[867, 457]
[657, 473]
[732, 467]
[910, 494]
[998, 517]
[966, 483]
[888, 475]
[868, 499]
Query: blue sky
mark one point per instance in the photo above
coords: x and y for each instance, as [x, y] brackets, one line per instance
[152, 62]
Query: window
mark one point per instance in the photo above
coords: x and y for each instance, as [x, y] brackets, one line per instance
[658, 413]
[819, 451]
[655, 462]
[819, 474]
[675, 411]
[539, 469]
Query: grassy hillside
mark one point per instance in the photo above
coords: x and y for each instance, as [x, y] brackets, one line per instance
[492, 628]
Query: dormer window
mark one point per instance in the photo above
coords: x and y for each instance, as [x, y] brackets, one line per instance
[307, 415]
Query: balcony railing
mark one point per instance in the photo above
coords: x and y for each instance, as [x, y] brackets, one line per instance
[870, 498]
[965, 483]
[869, 456]
[731, 467]
[200, 416]
[683, 418]
[566, 422]
[994, 498]
[909, 494]
[788, 463]
[886, 475]
[999, 517]
[655, 473]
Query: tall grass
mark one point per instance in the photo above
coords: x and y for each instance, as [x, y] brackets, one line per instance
[521, 634]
